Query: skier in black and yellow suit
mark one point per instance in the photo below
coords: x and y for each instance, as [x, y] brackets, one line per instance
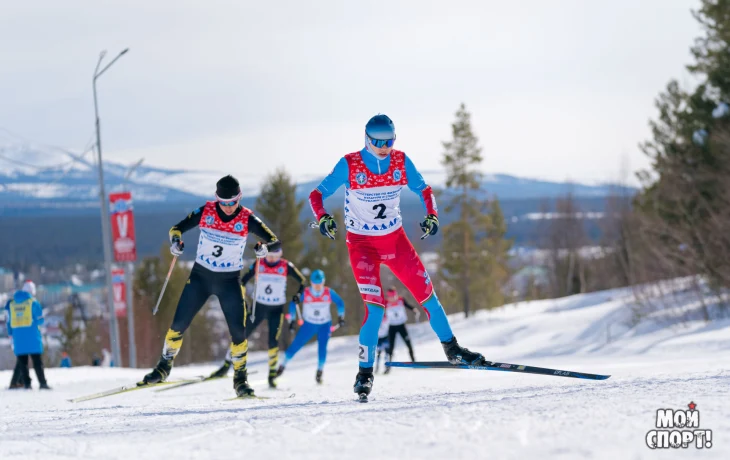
[224, 225]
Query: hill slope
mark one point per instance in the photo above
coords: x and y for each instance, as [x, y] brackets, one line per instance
[412, 413]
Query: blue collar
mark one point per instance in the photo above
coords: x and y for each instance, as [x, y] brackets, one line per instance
[373, 163]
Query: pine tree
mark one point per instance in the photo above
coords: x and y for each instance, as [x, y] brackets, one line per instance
[496, 247]
[685, 200]
[460, 258]
[71, 335]
[278, 207]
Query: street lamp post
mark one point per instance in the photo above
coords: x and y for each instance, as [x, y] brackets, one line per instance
[129, 278]
[105, 230]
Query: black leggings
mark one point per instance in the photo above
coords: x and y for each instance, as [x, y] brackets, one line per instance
[399, 329]
[21, 365]
[202, 284]
[275, 315]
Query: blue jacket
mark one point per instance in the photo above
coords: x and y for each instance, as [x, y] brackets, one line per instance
[25, 317]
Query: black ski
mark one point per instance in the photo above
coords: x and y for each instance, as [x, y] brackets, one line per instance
[501, 367]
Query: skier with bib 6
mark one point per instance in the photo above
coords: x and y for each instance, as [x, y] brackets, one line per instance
[374, 178]
[273, 273]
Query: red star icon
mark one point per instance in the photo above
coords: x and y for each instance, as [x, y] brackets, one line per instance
[692, 406]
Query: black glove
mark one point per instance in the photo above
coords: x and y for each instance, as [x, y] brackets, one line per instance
[291, 326]
[327, 226]
[430, 226]
[295, 298]
[341, 321]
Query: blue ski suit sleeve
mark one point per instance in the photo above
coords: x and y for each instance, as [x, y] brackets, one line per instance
[334, 180]
[293, 311]
[38, 319]
[338, 302]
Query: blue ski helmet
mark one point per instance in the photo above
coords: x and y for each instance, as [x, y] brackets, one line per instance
[317, 277]
[380, 127]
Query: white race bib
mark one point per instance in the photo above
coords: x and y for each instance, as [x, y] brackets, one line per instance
[271, 289]
[316, 312]
[373, 211]
[220, 251]
[397, 315]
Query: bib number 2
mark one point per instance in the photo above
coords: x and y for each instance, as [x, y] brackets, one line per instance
[381, 213]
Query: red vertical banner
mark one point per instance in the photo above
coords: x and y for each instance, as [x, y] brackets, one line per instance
[120, 208]
[120, 292]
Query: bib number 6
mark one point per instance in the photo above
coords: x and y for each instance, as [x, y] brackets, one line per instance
[381, 213]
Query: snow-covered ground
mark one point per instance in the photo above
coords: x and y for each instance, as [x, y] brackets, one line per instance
[419, 414]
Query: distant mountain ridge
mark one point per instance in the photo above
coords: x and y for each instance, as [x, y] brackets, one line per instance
[34, 177]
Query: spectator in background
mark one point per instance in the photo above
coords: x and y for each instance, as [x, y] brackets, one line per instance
[25, 318]
[65, 360]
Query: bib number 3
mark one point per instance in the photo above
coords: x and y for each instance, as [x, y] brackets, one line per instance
[218, 251]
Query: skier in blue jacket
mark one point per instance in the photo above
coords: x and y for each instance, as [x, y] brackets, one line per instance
[317, 320]
[25, 318]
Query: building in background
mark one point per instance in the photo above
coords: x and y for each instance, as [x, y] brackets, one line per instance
[7, 280]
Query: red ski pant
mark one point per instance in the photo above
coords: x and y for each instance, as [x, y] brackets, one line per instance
[396, 252]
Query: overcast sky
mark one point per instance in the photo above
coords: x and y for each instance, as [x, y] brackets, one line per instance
[557, 89]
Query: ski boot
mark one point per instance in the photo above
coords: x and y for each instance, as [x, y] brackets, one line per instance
[273, 373]
[280, 370]
[318, 378]
[457, 354]
[364, 383]
[158, 374]
[44, 386]
[222, 372]
[240, 384]
[388, 359]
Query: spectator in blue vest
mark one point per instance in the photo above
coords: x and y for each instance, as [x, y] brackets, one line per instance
[25, 318]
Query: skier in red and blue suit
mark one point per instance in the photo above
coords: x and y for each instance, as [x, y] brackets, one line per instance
[374, 178]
